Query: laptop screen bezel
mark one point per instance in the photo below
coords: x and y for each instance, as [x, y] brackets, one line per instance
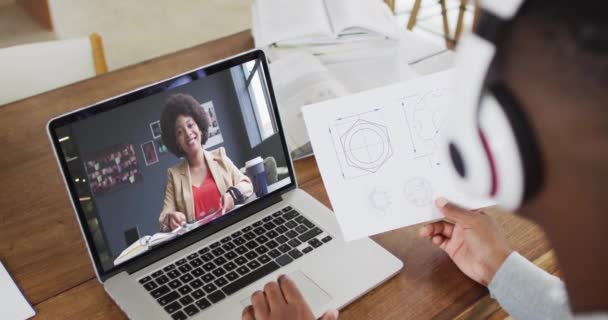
[200, 233]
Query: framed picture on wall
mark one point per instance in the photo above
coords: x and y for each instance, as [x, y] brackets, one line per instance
[215, 134]
[155, 128]
[149, 151]
[112, 168]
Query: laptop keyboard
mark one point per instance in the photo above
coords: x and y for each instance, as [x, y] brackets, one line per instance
[195, 282]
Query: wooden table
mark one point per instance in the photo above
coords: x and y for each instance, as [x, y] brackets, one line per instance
[41, 245]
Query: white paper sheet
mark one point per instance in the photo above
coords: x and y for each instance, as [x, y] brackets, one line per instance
[378, 155]
[12, 303]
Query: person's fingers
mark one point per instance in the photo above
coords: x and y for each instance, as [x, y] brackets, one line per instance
[330, 315]
[290, 291]
[248, 313]
[440, 241]
[440, 227]
[260, 305]
[274, 295]
[174, 221]
[453, 212]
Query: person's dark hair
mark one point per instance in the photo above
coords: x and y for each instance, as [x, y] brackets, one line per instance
[182, 105]
[574, 33]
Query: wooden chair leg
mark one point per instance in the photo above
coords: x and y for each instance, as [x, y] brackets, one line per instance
[459, 25]
[414, 14]
[446, 26]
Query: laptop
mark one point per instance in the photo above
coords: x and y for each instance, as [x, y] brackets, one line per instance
[121, 172]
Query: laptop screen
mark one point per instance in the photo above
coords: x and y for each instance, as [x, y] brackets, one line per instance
[149, 167]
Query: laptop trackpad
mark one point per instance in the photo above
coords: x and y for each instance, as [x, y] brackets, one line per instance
[314, 295]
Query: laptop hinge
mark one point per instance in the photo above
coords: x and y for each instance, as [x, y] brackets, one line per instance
[202, 232]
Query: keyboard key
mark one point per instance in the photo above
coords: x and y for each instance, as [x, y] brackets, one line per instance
[179, 316]
[274, 253]
[197, 294]
[170, 297]
[239, 241]
[281, 229]
[267, 218]
[315, 243]
[215, 245]
[261, 239]
[236, 234]
[305, 222]
[281, 239]
[288, 208]
[219, 272]
[253, 265]
[269, 226]
[230, 266]
[257, 224]
[264, 259]
[185, 268]
[242, 270]
[226, 239]
[261, 249]
[284, 248]
[181, 262]
[198, 272]
[175, 284]
[259, 231]
[272, 234]
[173, 274]
[207, 278]
[241, 250]
[326, 239]
[172, 307]
[310, 234]
[220, 282]
[294, 242]
[307, 249]
[209, 266]
[272, 244]
[284, 260]
[186, 300]
[290, 215]
[249, 236]
[250, 278]
[196, 284]
[169, 268]
[301, 229]
[207, 257]
[162, 280]
[240, 261]
[186, 278]
[218, 252]
[150, 285]
[216, 296]
[184, 290]
[157, 273]
[230, 255]
[278, 221]
[192, 256]
[247, 229]
[209, 287]
[196, 262]
[220, 261]
[203, 304]
[228, 246]
[191, 310]
[160, 291]
[292, 234]
[232, 276]
[203, 250]
[276, 214]
[251, 255]
[251, 244]
[295, 253]
[291, 224]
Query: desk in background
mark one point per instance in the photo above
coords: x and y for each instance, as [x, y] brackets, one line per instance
[42, 247]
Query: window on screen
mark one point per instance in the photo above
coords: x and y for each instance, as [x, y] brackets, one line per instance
[259, 101]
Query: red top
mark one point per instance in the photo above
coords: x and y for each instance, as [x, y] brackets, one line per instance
[206, 198]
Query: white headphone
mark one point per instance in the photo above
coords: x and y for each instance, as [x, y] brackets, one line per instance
[490, 146]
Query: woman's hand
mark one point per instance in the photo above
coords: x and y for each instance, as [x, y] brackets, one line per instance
[174, 220]
[227, 202]
[280, 301]
[472, 239]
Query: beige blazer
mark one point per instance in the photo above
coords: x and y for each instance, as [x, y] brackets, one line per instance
[178, 192]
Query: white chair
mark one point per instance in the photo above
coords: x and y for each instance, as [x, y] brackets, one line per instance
[27, 70]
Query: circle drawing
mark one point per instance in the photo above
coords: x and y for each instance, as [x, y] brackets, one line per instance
[366, 145]
[380, 199]
[418, 192]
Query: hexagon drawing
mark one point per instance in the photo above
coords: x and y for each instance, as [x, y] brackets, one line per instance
[366, 146]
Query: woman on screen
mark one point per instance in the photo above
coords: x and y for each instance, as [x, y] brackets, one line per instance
[206, 184]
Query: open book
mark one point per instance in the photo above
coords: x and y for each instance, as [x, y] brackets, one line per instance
[321, 21]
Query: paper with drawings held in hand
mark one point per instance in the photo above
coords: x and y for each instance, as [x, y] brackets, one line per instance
[12, 303]
[378, 155]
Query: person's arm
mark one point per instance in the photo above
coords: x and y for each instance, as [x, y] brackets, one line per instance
[238, 179]
[477, 246]
[526, 291]
[169, 217]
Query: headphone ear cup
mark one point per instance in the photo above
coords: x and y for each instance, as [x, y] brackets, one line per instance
[511, 146]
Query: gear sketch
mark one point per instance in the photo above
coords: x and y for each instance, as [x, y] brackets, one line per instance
[418, 191]
[362, 144]
[380, 199]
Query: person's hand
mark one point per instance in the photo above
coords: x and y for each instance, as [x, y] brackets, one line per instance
[472, 239]
[227, 203]
[280, 301]
[175, 220]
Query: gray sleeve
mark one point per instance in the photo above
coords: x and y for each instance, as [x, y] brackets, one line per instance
[526, 291]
